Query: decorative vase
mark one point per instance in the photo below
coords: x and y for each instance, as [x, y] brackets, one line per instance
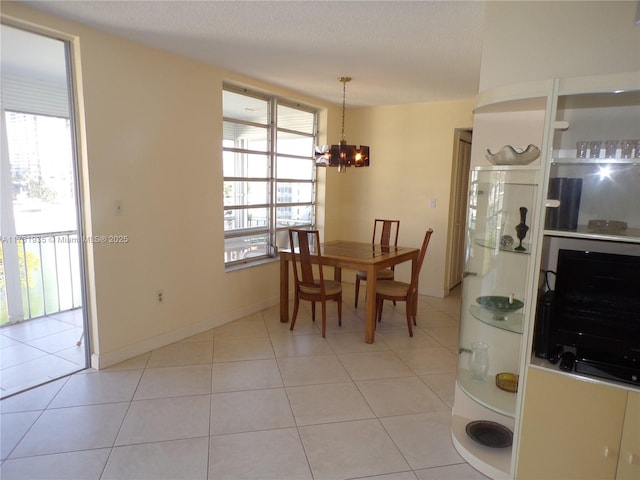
[479, 361]
[522, 229]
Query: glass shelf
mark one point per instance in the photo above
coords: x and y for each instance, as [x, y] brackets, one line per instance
[511, 322]
[495, 245]
[487, 393]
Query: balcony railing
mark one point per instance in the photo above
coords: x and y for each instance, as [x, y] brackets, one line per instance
[49, 275]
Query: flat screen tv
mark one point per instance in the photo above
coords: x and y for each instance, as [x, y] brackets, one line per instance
[596, 309]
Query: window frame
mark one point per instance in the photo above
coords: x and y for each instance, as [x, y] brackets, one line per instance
[275, 235]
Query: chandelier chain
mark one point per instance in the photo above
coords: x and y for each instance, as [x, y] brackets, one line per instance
[344, 81]
[344, 101]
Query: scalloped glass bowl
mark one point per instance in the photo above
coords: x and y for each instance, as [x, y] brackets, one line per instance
[508, 155]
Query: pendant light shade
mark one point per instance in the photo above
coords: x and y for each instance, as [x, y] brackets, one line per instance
[342, 155]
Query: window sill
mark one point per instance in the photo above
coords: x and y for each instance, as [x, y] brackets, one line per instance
[252, 263]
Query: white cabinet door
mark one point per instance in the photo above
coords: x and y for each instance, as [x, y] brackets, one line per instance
[570, 428]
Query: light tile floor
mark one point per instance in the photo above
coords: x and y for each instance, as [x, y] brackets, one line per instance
[252, 400]
[39, 350]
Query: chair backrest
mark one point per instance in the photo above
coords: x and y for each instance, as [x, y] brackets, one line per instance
[306, 245]
[423, 250]
[385, 232]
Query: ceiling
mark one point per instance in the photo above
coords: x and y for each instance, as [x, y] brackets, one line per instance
[396, 51]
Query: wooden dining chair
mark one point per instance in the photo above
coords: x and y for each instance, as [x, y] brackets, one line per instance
[385, 233]
[306, 245]
[401, 291]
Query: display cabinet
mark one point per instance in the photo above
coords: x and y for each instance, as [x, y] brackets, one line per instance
[502, 202]
[579, 196]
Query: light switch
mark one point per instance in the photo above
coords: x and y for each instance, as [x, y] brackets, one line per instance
[432, 203]
[118, 207]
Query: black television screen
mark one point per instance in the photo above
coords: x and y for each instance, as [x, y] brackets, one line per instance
[597, 305]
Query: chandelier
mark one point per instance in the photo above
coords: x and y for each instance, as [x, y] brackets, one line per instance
[342, 155]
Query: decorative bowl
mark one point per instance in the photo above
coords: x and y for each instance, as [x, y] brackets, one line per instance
[513, 156]
[607, 226]
[507, 382]
[499, 306]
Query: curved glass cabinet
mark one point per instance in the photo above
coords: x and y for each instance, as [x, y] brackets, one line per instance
[503, 203]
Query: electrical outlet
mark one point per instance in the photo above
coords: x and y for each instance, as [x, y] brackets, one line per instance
[160, 296]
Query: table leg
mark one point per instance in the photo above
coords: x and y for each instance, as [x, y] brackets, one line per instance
[370, 311]
[284, 289]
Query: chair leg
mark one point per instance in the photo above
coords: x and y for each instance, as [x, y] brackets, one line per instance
[296, 304]
[324, 319]
[409, 314]
[357, 290]
[339, 311]
[313, 311]
[379, 308]
[415, 310]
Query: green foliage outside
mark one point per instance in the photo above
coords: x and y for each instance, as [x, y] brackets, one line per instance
[33, 267]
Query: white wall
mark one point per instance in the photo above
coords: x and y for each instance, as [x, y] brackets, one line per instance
[525, 41]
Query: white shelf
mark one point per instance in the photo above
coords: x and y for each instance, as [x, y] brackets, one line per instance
[547, 366]
[514, 98]
[631, 235]
[493, 462]
[609, 83]
[532, 166]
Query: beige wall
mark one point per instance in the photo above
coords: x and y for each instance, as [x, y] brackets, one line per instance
[153, 136]
[411, 163]
[525, 41]
[153, 141]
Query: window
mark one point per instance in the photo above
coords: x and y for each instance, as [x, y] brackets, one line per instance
[269, 173]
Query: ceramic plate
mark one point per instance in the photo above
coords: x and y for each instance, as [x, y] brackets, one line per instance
[490, 434]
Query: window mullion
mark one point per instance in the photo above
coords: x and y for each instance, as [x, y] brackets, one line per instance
[273, 191]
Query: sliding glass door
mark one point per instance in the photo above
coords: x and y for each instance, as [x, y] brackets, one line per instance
[42, 322]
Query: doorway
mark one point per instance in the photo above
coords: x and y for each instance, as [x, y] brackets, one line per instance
[458, 211]
[42, 319]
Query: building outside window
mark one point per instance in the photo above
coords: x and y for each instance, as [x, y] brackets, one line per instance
[269, 173]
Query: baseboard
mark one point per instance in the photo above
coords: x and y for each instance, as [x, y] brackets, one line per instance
[432, 292]
[103, 360]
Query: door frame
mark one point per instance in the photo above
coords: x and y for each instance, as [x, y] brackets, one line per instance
[461, 164]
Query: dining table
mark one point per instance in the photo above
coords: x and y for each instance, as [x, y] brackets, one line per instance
[346, 254]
